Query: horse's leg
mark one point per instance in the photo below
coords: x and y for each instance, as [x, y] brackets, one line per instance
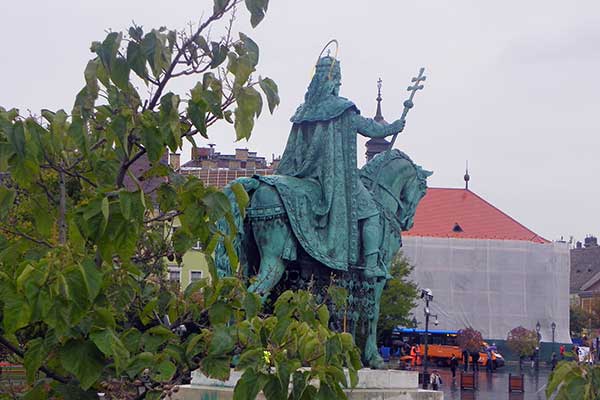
[270, 237]
[372, 356]
[271, 233]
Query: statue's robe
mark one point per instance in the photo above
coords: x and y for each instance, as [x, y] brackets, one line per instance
[317, 179]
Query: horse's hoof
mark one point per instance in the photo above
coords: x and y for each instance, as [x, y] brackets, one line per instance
[376, 362]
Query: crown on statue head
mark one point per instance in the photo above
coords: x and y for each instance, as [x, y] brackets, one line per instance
[328, 66]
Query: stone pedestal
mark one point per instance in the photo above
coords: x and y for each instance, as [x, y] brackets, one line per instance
[372, 385]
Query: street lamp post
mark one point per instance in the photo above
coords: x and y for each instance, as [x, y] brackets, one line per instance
[428, 296]
[553, 327]
[537, 353]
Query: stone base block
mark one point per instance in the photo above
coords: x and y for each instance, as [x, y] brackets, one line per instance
[190, 392]
[372, 385]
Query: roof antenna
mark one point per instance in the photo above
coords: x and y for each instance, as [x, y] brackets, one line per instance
[467, 177]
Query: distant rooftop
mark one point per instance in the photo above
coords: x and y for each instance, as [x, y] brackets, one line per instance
[460, 213]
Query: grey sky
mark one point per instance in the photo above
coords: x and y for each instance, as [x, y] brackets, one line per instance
[512, 85]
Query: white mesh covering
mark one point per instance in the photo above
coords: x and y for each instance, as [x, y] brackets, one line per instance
[493, 285]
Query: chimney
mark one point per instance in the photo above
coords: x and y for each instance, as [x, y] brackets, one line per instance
[241, 154]
[590, 241]
[175, 161]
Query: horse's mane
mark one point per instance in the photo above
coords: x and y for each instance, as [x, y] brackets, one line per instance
[373, 167]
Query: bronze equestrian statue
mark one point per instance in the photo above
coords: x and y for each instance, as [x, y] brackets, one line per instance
[320, 218]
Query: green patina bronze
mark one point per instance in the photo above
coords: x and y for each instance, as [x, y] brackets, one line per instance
[320, 220]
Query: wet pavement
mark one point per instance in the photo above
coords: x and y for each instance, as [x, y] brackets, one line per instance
[493, 386]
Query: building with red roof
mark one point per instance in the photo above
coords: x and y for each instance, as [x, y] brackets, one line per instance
[487, 270]
[462, 214]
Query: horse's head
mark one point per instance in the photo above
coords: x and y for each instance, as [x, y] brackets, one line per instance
[397, 183]
[411, 194]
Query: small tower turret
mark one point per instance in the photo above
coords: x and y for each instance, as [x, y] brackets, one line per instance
[377, 145]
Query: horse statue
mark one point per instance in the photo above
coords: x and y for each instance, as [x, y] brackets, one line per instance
[271, 253]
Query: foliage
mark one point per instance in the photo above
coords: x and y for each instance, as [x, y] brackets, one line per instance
[522, 341]
[570, 380]
[581, 320]
[398, 298]
[84, 237]
[469, 339]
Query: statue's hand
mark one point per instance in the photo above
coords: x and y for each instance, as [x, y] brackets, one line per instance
[399, 125]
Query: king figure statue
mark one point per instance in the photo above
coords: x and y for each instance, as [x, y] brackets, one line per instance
[321, 221]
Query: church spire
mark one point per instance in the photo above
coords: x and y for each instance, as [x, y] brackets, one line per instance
[467, 176]
[377, 145]
[378, 115]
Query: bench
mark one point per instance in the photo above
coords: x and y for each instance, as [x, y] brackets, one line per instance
[468, 381]
[516, 383]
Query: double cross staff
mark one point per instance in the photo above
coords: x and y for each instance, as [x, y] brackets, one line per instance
[408, 104]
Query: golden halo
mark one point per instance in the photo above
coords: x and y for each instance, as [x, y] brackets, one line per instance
[337, 47]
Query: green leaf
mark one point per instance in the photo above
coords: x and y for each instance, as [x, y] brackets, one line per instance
[91, 77]
[104, 207]
[257, 9]
[216, 367]
[39, 392]
[219, 6]
[16, 137]
[218, 54]
[250, 359]
[34, 357]
[17, 312]
[155, 337]
[131, 205]
[7, 199]
[251, 48]
[131, 339]
[249, 385]
[323, 314]
[221, 342]
[82, 359]
[139, 363]
[219, 313]
[153, 142]
[109, 344]
[164, 371]
[107, 51]
[241, 67]
[136, 60]
[252, 305]
[241, 197]
[249, 105]
[92, 278]
[269, 87]
[196, 112]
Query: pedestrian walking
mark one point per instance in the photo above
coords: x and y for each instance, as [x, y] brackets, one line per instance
[561, 349]
[453, 365]
[435, 379]
[553, 361]
[413, 356]
[475, 361]
[488, 364]
[465, 356]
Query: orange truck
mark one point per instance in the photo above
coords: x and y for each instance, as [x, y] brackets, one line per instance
[442, 345]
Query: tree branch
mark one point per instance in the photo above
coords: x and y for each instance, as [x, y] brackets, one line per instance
[21, 354]
[62, 210]
[192, 39]
[26, 236]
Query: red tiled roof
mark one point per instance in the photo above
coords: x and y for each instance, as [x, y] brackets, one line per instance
[441, 210]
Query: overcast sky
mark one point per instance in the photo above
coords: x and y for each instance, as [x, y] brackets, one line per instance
[513, 86]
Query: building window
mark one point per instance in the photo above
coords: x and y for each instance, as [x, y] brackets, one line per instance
[195, 276]
[174, 274]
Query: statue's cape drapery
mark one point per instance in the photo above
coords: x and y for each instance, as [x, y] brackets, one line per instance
[317, 178]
